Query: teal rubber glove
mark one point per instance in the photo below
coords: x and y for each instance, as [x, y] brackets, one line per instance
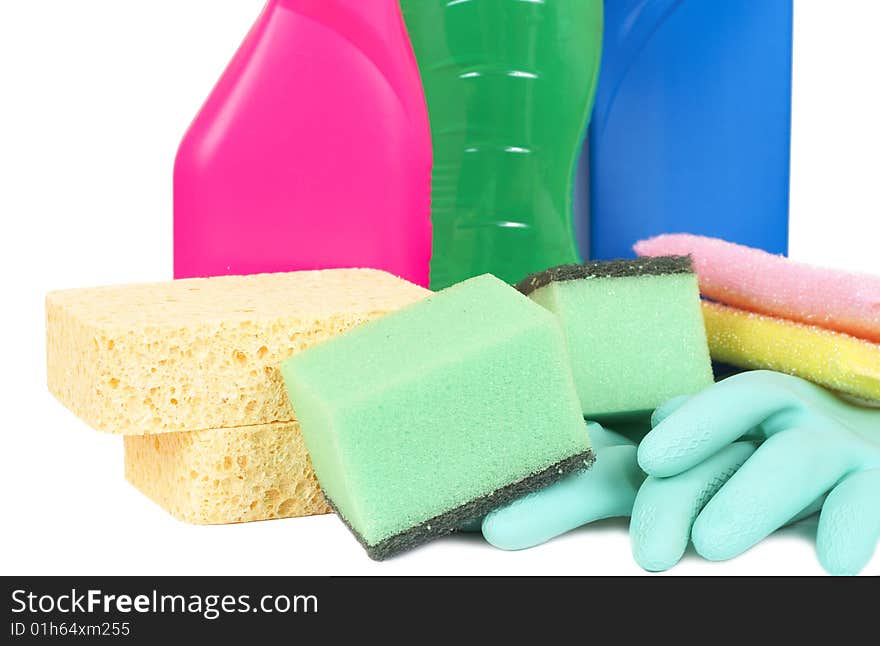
[609, 490]
[813, 443]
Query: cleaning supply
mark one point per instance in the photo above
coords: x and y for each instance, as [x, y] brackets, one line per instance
[232, 475]
[754, 280]
[312, 152]
[665, 508]
[813, 443]
[188, 372]
[201, 353]
[691, 130]
[633, 329]
[429, 418]
[838, 361]
[509, 87]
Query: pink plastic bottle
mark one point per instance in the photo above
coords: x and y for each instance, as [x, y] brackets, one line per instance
[313, 151]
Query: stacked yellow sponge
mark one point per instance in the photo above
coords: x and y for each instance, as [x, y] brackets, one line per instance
[226, 475]
[189, 372]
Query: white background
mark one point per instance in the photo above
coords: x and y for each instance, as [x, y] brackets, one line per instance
[94, 97]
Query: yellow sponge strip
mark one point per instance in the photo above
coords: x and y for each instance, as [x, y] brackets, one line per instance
[837, 361]
[226, 475]
[201, 353]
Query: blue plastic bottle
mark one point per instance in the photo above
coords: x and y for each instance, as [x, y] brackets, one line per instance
[691, 128]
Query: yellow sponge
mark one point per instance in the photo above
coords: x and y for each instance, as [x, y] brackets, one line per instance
[838, 361]
[201, 353]
[226, 476]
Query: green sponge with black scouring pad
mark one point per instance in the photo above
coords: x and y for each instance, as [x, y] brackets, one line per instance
[434, 415]
[634, 330]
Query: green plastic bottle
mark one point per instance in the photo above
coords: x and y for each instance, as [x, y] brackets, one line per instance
[509, 86]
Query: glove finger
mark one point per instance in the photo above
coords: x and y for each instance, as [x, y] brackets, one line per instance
[605, 491]
[665, 508]
[665, 410]
[849, 525]
[712, 419]
[787, 473]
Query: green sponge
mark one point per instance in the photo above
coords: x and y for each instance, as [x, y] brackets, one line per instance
[634, 330]
[436, 414]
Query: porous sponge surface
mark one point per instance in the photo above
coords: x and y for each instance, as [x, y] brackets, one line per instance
[755, 280]
[201, 353]
[832, 359]
[429, 408]
[635, 340]
[226, 475]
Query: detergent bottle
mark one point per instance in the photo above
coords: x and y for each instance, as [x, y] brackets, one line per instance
[313, 150]
[691, 128]
[509, 86]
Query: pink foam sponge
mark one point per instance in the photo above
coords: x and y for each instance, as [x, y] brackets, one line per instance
[761, 282]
